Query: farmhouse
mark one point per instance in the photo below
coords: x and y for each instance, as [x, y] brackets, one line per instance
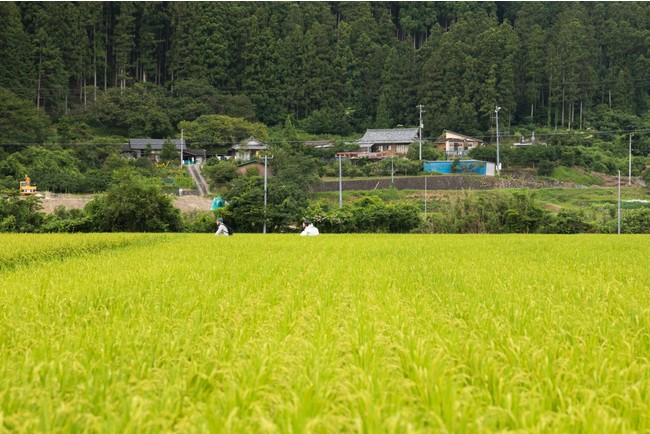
[248, 149]
[379, 144]
[137, 148]
[456, 145]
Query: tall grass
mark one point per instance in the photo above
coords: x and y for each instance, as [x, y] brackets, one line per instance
[339, 333]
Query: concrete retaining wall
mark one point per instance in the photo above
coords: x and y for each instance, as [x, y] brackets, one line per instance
[442, 182]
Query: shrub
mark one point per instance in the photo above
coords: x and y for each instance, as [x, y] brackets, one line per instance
[569, 222]
[198, 222]
[366, 215]
[636, 221]
[545, 168]
[135, 204]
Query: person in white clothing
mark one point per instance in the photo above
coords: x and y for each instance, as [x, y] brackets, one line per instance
[309, 229]
[222, 229]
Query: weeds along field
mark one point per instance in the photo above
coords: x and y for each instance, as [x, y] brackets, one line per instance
[136, 333]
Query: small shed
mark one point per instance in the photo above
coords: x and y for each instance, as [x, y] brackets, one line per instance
[254, 165]
[476, 167]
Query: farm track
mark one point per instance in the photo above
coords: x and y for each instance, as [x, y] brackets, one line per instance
[199, 180]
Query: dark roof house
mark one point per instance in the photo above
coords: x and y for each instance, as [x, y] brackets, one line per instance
[382, 143]
[136, 148]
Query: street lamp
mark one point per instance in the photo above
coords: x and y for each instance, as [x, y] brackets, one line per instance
[498, 163]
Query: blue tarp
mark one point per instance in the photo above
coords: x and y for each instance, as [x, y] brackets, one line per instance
[463, 166]
[217, 203]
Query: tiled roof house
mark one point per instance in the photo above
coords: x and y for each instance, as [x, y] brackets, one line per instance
[137, 147]
[249, 149]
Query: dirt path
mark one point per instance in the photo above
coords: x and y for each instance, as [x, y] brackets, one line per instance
[186, 203]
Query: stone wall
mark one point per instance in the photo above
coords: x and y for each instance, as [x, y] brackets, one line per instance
[436, 182]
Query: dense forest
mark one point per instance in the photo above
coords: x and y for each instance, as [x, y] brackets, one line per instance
[77, 79]
[333, 67]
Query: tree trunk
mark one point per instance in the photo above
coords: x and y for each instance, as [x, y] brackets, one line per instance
[580, 114]
[562, 103]
[550, 90]
[610, 99]
[38, 82]
[106, 55]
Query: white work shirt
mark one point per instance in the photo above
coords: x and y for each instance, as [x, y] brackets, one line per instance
[310, 230]
[222, 231]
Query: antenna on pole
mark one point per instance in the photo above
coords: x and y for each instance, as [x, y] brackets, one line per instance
[420, 106]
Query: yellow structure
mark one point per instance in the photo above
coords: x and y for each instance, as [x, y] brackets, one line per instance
[26, 187]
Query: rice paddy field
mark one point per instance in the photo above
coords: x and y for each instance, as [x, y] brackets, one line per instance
[150, 333]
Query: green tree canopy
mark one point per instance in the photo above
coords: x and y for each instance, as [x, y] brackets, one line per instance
[221, 129]
[20, 121]
[134, 204]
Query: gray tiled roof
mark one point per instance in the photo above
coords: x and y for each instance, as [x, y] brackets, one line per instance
[251, 143]
[156, 144]
[396, 135]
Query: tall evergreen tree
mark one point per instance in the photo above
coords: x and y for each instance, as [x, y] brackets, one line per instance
[16, 52]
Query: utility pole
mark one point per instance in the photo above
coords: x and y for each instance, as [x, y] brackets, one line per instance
[498, 163]
[340, 184]
[629, 174]
[420, 106]
[181, 148]
[265, 193]
[619, 202]
[425, 196]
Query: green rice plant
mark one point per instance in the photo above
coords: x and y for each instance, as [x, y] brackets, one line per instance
[24, 249]
[337, 333]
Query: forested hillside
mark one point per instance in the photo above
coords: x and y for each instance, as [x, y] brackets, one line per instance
[140, 68]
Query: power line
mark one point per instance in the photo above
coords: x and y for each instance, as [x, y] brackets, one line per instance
[297, 142]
